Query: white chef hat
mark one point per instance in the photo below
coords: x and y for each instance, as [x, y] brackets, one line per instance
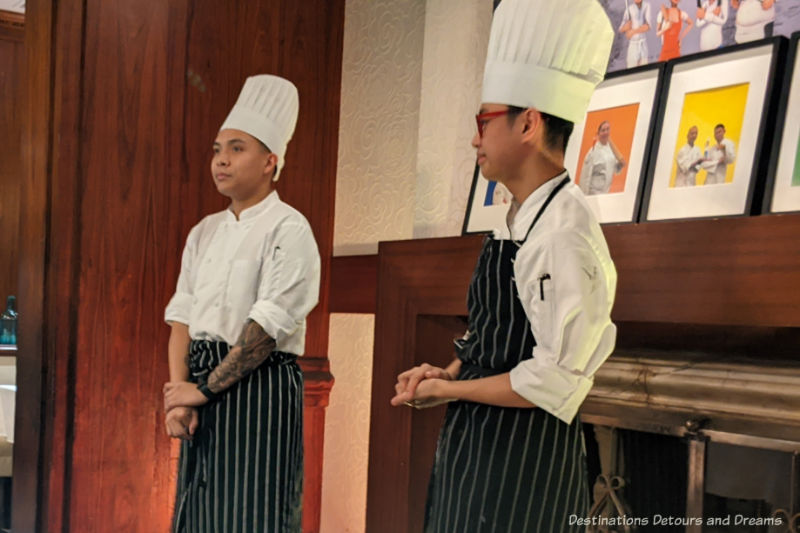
[266, 109]
[547, 54]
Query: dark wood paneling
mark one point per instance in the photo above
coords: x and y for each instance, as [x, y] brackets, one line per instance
[353, 284]
[121, 118]
[422, 277]
[30, 465]
[733, 271]
[124, 205]
[61, 274]
[11, 62]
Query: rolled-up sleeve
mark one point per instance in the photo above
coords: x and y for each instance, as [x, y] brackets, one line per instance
[567, 290]
[179, 307]
[289, 283]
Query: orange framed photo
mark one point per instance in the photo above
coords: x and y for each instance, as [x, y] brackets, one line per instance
[607, 152]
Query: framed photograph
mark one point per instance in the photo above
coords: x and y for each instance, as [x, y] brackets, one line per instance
[607, 152]
[783, 179]
[488, 205]
[714, 114]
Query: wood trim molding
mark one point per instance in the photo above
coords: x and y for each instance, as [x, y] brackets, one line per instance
[415, 278]
[318, 383]
[12, 26]
[353, 285]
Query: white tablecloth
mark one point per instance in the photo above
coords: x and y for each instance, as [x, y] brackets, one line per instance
[7, 401]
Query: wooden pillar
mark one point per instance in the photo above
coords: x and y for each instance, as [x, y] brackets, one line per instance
[318, 383]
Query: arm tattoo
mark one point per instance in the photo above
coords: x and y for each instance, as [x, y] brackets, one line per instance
[252, 349]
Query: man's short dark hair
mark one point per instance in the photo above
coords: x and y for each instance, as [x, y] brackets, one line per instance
[557, 130]
[719, 126]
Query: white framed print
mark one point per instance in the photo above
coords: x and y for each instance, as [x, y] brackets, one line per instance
[706, 157]
[783, 180]
[607, 152]
[488, 204]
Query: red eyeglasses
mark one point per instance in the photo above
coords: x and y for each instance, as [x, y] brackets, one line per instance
[483, 119]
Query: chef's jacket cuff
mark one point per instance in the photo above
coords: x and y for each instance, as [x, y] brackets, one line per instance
[179, 308]
[550, 387]
[276, 322]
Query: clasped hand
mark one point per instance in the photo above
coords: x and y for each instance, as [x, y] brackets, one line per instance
[420, 387]
[180, 400]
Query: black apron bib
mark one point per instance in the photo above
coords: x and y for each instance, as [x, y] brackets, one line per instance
[503, 469]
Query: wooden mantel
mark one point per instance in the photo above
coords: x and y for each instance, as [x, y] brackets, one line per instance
[731, 271]
[724, 275]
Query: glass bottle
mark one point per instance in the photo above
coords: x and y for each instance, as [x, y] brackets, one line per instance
[8, 322]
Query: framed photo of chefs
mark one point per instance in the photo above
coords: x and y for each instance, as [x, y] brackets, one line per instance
[706, 152]
[607, 152]
[783, 179]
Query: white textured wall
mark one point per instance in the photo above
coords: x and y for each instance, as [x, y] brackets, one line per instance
[378, 124]
[411, 78]
[378, 129]
[344, 476]
[456, 36]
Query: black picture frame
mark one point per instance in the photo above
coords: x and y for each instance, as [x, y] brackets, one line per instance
[785, 142]
[692, 202]
[612, 208]
[476, 176]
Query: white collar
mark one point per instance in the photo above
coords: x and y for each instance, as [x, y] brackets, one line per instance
[521, 216]
[254, 210]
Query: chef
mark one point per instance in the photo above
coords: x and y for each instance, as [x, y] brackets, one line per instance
[510, 456]
[249, 276]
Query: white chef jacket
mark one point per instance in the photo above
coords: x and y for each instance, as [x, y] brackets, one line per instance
[264, 266]
[599, 167]
[686, 174]
[638, 17]
[751, 19]
[572, 324]
[716, 170]
[711, 25]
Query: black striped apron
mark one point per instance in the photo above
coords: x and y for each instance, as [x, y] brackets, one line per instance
[243, 471]
[503, 469]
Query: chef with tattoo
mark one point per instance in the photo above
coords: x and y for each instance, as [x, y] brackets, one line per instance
[249, 277]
